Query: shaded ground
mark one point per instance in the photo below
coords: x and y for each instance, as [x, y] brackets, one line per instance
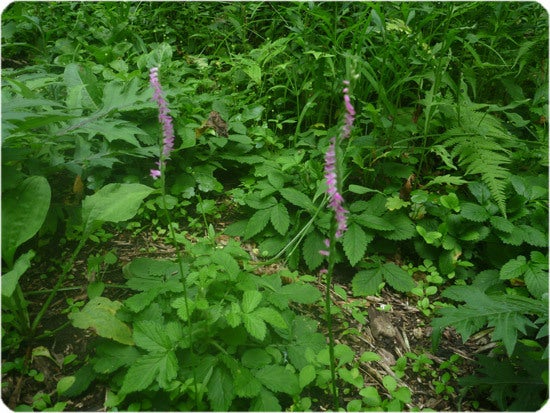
[393, 334]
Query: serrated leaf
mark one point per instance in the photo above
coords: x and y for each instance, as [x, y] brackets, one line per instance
[257, 223]
[300, 293]
[536, 279]
[112, 356]
[474, 212]
[373, 222]
[313, 243]
[446, 180]
[404, 227]
[355, 243]
[152, 336]
[397, 277]
[220, 390]
[513, 238]
[271, 316]
[280, 218]
[266, 402]
[533, 236]
[367, 282]
[298, 198]
[140, 375]
[246, 385]
[513, 268]
[226, 262]
[251, 300]
[395, 203]
[99, 314]
[254, 325]
[502, 224]
[278, 379]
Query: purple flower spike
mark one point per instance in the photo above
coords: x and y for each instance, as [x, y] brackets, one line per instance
[164, 118]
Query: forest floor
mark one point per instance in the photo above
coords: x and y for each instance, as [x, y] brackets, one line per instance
[404, 329]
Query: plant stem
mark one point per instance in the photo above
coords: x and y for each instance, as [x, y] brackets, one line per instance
[66, 268]
[182, 275]
[328, 302]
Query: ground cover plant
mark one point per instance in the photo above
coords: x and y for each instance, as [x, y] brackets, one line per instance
[274, 206]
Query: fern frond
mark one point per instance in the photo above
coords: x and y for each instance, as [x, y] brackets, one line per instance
[483, 147]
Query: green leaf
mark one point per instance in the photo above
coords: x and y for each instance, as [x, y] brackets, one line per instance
[113, 203]
[278, 379]
[300, 293]
[280, 218]
[226, 262]
[395, 203]
[307, 375]
[220, 390]
[257, 223]
[446, 180]
[266, 402]
[536, 279]
[24, 210]
[502, 224]
[367, 282]
[358, 189]
[112, 356]
[451, 202]
[254, 325]
[404, 227]
[246, 385]
[355, 243]
[429, 236]
[313, 243]
[533, 236]
[298, 198]
[251, 300]
[397, 277]
[99, 314]
[147, 273]
[373, 222]
[474, 212]
[272, 317]
[151, 336]
[11, 278]
[513, 268]
[147, 368]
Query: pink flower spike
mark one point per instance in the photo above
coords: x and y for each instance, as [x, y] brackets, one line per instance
[155, 173]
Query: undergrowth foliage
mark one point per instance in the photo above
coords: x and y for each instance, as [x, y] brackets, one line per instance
[444, 177]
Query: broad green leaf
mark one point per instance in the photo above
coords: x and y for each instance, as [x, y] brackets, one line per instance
[429, 236]
[147, 368]
[147, 273]
[370, 396]
[446, 180]
[112, 356]
[278, 379]
[246, 385]
[113, 203]
[355, 243]
[227, 262]
[533, 236]
[404, 227]
[307, 375]
[280, 218]
[513, 268]
[313, 243]
[151, 336]
[255, 358]
[502, 224]
[395, 203]
[254, 325]
[99, 314]
[220, 390]
[367, 282]
[271, 316]
[358, 189]
[397, 277]
[451, 202]
[251, 300]
[373, 222]
[474, 212]
[300, 293]
[536, 279]
[11, 278]
[298, 198]
[266, 402]
[257, 222]
[254, 71]
[24, 210]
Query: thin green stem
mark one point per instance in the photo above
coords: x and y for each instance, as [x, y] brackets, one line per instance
[66, 268]
[328, 313]
[181, 271]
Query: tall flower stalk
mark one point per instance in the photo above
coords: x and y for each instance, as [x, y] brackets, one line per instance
[167, 147]
[338, 225]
